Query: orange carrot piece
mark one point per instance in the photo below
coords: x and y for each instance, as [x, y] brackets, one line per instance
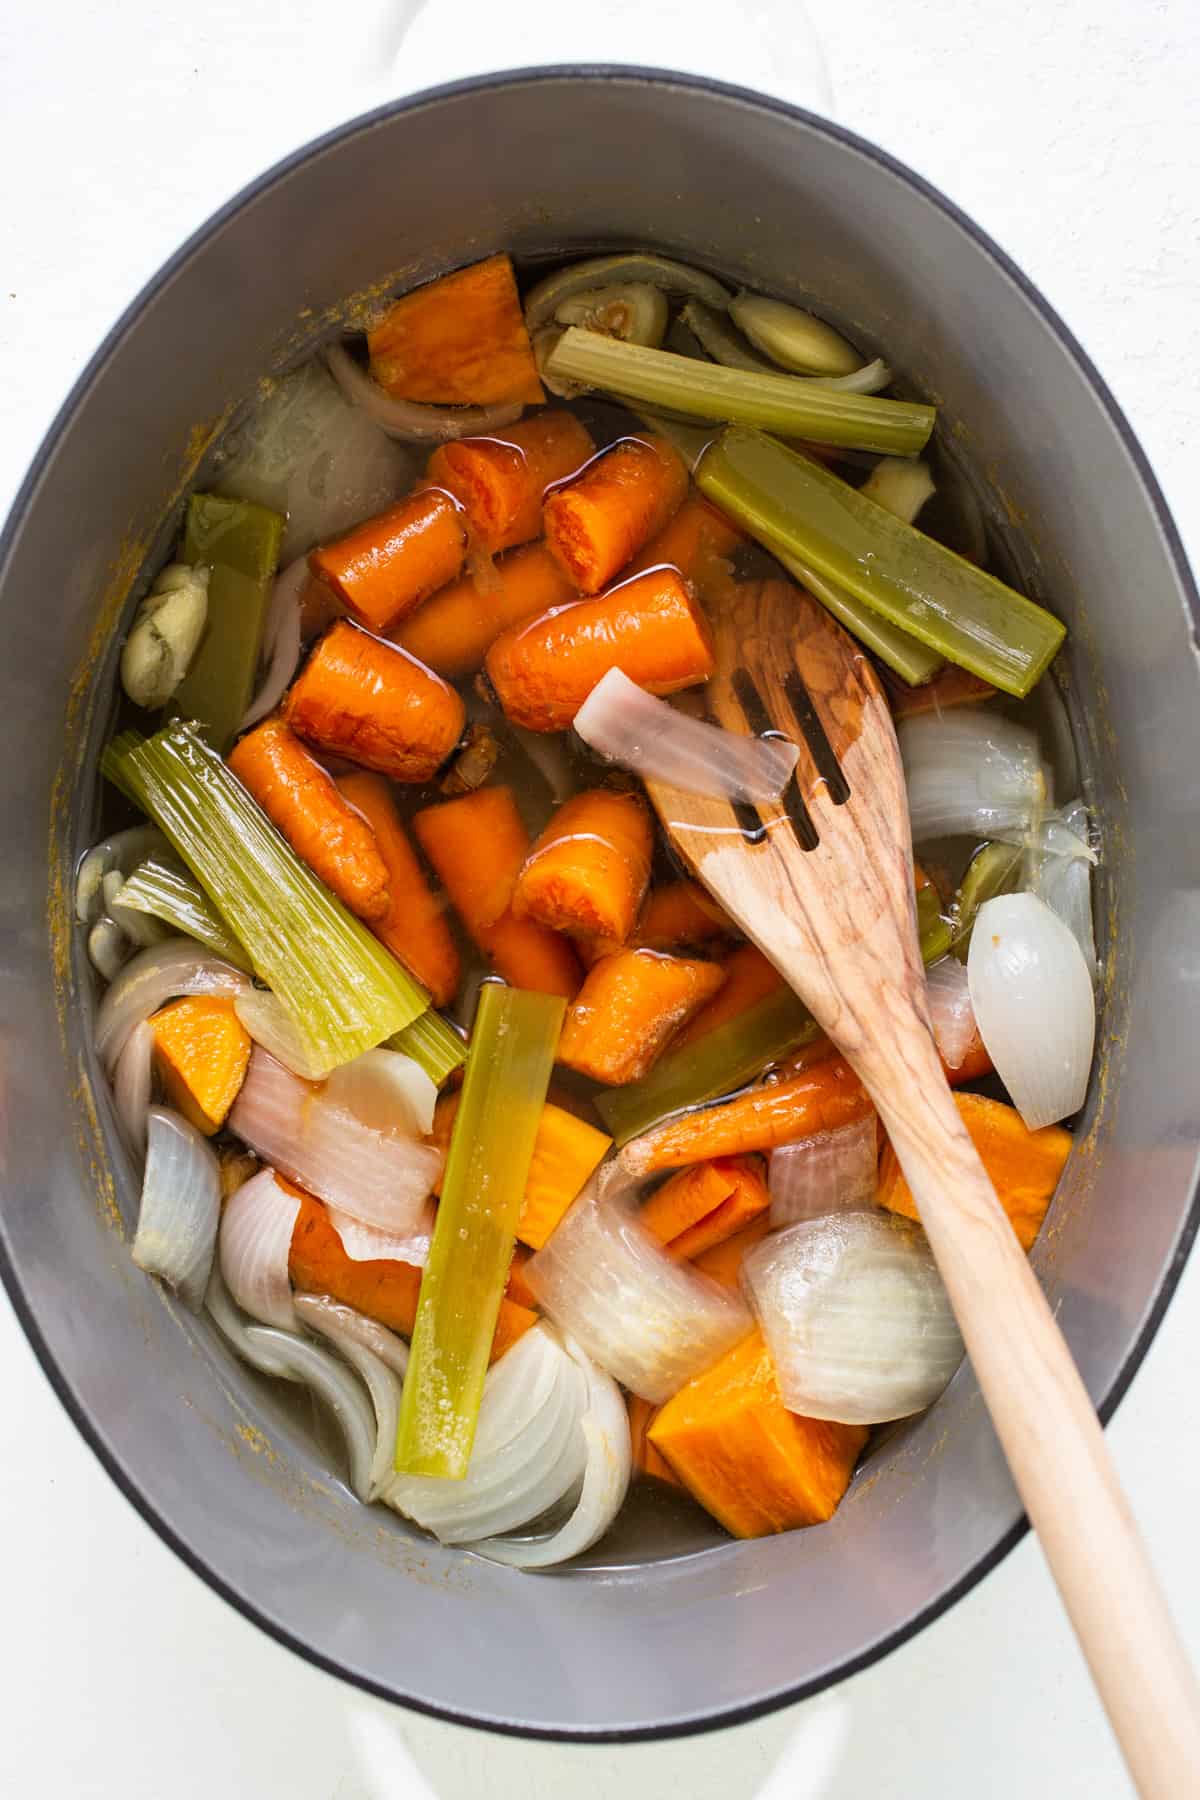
[749, 978]
[589, 869]
[749, 1200]
[1024, 1165]
[201, 1051]
[684, 1199]
[458, 341]
[477, 845]
[385, 567]
[628, 1009]
[414, 928]
[371, 703]
[975, 1064]
[517, 1289]
[755, 1466]
[623, 498]
[680, 915]
[566, 1153]
[651, 628]
[453, 632]
[323, 829]
[723, 1262]
[952, 686]
[646, 1459]
[699, 541]
[385, 1290]
[501, 481]
[820, 1099]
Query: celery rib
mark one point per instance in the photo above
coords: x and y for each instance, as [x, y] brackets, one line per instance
[433, 1043]
[491, 1147]
[165, 890]
[239, 542]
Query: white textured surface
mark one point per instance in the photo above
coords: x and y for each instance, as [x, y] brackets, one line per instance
[1069, 132]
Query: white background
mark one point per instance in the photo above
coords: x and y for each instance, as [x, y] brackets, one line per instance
[1069, 131]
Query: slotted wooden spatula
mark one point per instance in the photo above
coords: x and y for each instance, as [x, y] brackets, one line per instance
[822, 883]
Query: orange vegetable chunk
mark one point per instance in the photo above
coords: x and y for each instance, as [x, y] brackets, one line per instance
[566, 1153]
[646, 1459]
[453, 631]
[749, 978]
[682, 915]
[414, 927]
[951, 686]
[749, 1200]
[628, 1009]
[201, 1051]
[500, 481]
[723, 1262]
[458, 341]
[588, 871]
[755, 1466]
[684, 1199]
[385, 567]
[363, 699]
[624, 497]
[699, 542]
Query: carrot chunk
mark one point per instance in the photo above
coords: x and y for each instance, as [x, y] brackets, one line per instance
[1024, 1166]
[682, 915]
[684, 1199]
[952, 686]
[385, 1290]
[414, 928]
[517, 1289]
[819, 1099]
[384, 568]
[453, 632]
[699, 541]
[755, 1466]
[646, 1459]
[201, 1050]
[459, 341]
[477, 845]
[588, 871]
[628, 1009]
[749, 978]
[500, 481]
[723, 1261]
[621, 500]
[651, 628]
[323, 829]
[566, 1153]
[749, 1200]
[371, 703]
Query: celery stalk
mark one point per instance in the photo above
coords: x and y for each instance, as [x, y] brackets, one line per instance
[345, 992]
[913, 661]
[935, 932]
[794, 405]
[794, 506]
[491, 1147]
[166, 890]
[239, 542]
[994, 869]
[432, 1043]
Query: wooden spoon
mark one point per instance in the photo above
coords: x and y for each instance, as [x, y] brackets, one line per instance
[822, 883]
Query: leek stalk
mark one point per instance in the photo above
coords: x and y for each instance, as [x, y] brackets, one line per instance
[239, 542]
[491, 1147]
[797, 508]
[790, 404]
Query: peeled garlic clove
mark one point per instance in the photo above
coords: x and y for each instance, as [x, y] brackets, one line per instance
[793, 338]
[166, 634]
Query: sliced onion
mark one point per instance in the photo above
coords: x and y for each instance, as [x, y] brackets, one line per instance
[625, 724]
[256, 1239]
[529, 1449]
[408, 420]
[1063, 879]
[281, 642]
[271, 1025]
[180, 966]
[605, 1429]
[649, 1321]
[365, 1243]
[950, 1011]
[872, 378]
[857, 1321]
[132, 1081]
[969, 770]
[139, 927]
[1032, 993]
[385, 1090]
[123, 852]
[342, 1326]
[827, 1172]
[181, 1205]
[544, 299]
[108, 948]
[381, 1178]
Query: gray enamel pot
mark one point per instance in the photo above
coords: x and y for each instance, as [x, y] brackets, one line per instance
[670, 1628]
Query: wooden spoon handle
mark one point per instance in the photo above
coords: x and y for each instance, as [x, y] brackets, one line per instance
[1053, 1442]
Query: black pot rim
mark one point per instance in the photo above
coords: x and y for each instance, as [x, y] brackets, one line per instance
[734, 1715]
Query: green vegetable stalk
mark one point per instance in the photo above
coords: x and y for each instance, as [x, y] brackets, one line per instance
[912, 660]
[491, 1147]
[798, 509]
[239, 542]
[993, 870]
[432, 1043]
[166, 890]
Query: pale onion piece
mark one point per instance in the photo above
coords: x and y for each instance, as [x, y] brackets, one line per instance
[626, 725]
[142, 929]
[528, 1450]
[971, 771]
[793, 338]
[165, 634]
[178, 966]
[872, 378]
[341, 1323]
[633, 311]
[272, 1026]
[1034, 1004]
[826, 1172]
[365, 1243]
[900, 484]
[1064, 881]
[131, 1084]
[605, 1429]
[386, 1090]
[108, 949]
[123, 852]
[650, 1322]
[255, 1241]
[409, 420]
[380, 1178]
[181, 1206]
[951, 1014]
[543, 301]
[859, 1326]
[281, 642]
[331, 1320]
[296, 1359]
